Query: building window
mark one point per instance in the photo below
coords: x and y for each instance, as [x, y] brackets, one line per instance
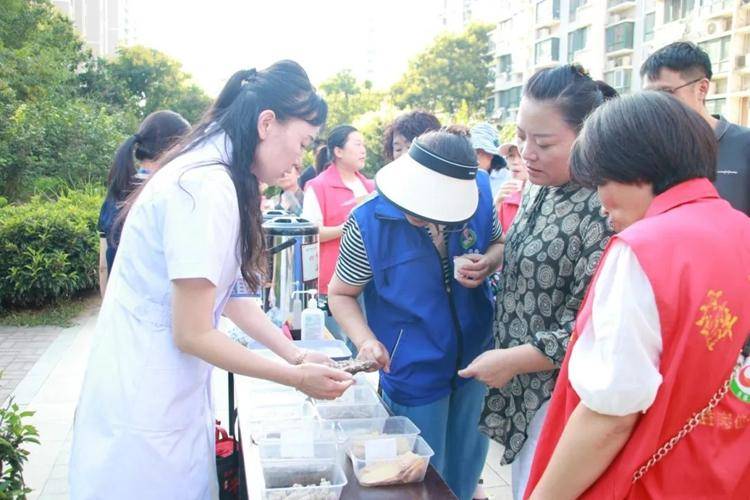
[511, 98]
[576, 42]
[619, 79]
[573, 11]
[505, 64]
[716, 106]
[490, 106]
[718, 52]
[648, 26]
[677, 9]
[547, 10]
[547, 51]
[620, 36]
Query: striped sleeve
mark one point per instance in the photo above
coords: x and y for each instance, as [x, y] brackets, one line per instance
[497, 231]
[353, 266]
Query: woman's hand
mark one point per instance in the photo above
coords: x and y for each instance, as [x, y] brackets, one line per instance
[508, 188]
[472, 274]
[495, 368]
[373, 350]
[322, 382]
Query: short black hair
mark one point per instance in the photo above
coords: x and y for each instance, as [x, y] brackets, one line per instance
[408, 125]
[451, 146]
[649, 137]
[684, 57]
[570, 88]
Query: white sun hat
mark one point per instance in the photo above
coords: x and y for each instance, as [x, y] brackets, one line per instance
[430, 187]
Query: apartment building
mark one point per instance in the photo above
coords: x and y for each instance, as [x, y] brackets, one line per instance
[611, 38]
[103, 24]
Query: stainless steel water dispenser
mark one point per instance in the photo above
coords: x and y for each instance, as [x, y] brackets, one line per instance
[293, 253]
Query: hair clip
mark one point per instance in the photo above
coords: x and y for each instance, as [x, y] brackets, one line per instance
[580, 70]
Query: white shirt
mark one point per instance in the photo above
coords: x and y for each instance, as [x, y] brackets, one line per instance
[614, 366]
[311, 207]
[144, 426]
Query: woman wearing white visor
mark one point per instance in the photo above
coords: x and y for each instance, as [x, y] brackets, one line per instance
[421, 250]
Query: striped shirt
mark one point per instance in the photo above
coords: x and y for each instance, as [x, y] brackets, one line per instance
[353, 266]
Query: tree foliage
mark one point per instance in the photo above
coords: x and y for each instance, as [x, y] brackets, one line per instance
[64, 112]
[145, 80]
[348, 98]
[451, 75]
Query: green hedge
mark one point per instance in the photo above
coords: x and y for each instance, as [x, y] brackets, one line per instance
[49, 248]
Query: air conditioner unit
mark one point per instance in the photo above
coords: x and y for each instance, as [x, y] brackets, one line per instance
[544, 33]
[626, 61]
[717, 26]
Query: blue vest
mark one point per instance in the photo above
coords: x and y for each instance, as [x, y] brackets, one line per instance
[442, 331]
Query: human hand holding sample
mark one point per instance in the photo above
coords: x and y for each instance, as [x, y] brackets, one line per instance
[471, 269]
[373, 350]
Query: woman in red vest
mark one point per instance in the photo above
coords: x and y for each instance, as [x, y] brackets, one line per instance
[653, 399]
[331, 196]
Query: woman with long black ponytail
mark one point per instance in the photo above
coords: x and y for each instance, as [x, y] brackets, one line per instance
[144, 426]
[134, 159]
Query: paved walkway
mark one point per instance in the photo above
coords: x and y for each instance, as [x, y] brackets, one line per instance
[53, 385]
[20, 349]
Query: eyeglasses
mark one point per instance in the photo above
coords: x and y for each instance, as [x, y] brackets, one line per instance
[675, 89]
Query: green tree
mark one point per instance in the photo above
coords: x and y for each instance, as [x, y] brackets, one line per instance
[452, 73]
[508, 133]
[372, 125]
[347, 98]
[145, 80]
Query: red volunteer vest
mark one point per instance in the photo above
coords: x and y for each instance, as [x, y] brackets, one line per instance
[695, 250]
[508, 210]
[335, 201]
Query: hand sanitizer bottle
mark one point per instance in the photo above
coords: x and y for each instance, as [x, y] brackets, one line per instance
[313, 320]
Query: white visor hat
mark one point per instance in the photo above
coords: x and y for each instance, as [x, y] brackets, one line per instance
[430, 187]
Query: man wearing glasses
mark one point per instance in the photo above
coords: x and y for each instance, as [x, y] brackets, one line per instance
[684, 70]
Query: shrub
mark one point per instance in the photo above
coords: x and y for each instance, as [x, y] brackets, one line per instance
[15, 434]
[48, 248]
[70, 140]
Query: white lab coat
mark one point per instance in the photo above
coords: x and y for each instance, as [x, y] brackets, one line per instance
[144, 422]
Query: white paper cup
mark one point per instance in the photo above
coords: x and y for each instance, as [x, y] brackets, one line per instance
[458, 263]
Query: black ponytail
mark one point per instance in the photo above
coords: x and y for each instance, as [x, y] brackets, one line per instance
[323, 158]
[122, 172]
[158, 132]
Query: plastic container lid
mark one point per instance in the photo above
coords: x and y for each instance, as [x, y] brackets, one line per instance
[318, 430]
[356, 394]
[354, 432]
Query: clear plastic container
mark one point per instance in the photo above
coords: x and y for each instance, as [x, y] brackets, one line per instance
[409, 467]
[258, 416]
[298, 447]
[296, 480]
[354, 432]
[359, 401]
[356, 394]
[273, 397]
[319, 430]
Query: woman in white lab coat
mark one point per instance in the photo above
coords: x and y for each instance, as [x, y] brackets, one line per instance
[144, 425]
